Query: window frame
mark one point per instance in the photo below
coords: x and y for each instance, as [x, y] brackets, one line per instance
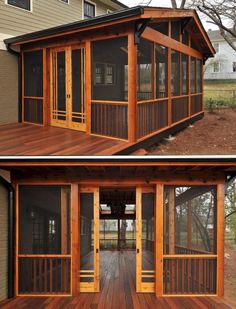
[17, 7]
[95, 8]
[65, 1]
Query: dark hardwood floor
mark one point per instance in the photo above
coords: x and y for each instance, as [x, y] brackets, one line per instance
[27, 139]
[117, 291]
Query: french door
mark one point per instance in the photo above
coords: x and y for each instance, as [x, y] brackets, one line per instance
[68, 88]
[89, 275]
[145, 239]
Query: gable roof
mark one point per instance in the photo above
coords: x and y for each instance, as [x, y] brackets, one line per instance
[134, 13]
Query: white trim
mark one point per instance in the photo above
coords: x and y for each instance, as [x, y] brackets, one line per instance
[65, 2]
[4, 36]
[109, 11]
[16, 7]
[89, 1]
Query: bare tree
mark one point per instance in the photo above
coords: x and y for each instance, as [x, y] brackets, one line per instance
[221, 13]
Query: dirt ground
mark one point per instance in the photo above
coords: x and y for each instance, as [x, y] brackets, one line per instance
[215, 134]
[230, 272]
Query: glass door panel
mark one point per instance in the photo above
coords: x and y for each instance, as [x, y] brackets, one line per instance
[89, 241]
[145, 238]
[59, 102]
[78, 103]
[67, 90]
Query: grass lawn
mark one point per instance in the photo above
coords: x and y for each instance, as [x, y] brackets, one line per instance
[219, 94]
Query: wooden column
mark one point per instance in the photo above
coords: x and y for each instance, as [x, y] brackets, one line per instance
[64, 216]
[96, 241]
[75, 238]
[16, 272]
[220, 239]
[132, 88]
[171, 220]
[159, 240]
[189, 86]
[169, 88]
[88, 85]
[138, 239]
[189, 223]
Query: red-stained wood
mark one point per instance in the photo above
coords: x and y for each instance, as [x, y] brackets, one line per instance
[132, 82]
[27, 139]
[117, 291]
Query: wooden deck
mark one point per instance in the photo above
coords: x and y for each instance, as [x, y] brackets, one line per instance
[27, 139]
[118, 291]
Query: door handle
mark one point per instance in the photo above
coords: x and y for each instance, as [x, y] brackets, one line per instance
[137, 250]
[97, 250]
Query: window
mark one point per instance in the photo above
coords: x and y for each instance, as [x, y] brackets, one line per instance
[216, 67]
[110, 60]
[216, 46]
[161, 71]
[145, 71]
[193, 75]
[234, 66]
[175, 30]
[175, 73]
[22, 4]
[89, 10]
[184, 61]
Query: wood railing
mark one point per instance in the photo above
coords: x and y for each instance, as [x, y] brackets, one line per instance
[190, 275]
[184, 250]
[196, 104]
[179, 108]
[44, 275]
[110, 119]
[152, 116]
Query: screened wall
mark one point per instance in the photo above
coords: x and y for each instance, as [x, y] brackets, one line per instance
[44, 250]
[110, 87]
[33, 87]
[189, 235]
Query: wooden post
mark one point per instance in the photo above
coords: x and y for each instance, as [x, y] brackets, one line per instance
[159, 240]
[171, 220]
[96, 241]
[138, 239]
[64, 215]
[189, 86]
[75, 238]
[169, 87]
[189, 223]
[132, 88]
[88, 86]
[220, 240]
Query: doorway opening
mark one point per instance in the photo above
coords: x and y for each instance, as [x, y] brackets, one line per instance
[117, 238]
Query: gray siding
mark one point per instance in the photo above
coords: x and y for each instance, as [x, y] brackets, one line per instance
[45, 14]
[8, 87]
[3, 242]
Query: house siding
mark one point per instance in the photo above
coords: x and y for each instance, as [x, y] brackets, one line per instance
[45, 14]
[3, 242]
[8, 87]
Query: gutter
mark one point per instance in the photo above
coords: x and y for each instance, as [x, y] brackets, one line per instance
[18, 54]
[10, 268]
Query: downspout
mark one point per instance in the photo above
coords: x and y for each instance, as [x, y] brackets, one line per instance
[10, 268]
[18, 54]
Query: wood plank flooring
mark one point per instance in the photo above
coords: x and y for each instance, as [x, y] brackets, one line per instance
[118, 292]
[27, 139]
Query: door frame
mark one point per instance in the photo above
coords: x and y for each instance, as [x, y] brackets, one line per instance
[95, 274]
[67, 123]
[143, 287]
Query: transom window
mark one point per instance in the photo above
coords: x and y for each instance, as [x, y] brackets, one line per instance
[89, 10]
[22, 4]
